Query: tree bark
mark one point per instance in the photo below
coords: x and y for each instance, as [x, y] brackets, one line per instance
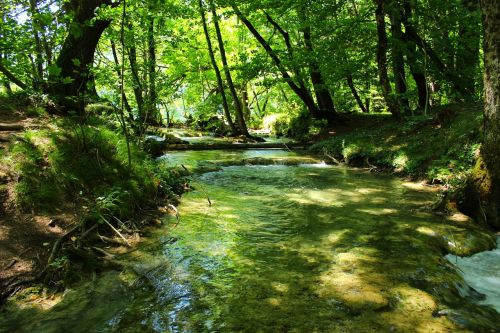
[448, 73]
[236, 102]
[385, 84]
[417, 72]
[11, 77]
[467, 58]
[491, 144]
[153, 117]
[70, 85]
[220, 84]
[118, 73]
[137, 86]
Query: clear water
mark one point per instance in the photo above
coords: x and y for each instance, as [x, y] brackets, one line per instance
[309, 248]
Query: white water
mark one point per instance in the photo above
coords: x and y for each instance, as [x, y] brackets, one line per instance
[482, 272]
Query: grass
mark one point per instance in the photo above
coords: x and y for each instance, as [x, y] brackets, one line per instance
[420, 147]
[85, 165]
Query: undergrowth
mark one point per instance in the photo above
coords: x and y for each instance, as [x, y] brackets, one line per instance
[84, 165]
[440, 151]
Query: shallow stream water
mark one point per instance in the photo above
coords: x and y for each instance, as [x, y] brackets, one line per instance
[308, 248]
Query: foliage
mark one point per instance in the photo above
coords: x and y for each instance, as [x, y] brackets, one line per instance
[420, 147]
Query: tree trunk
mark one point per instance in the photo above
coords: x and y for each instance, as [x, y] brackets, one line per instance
[136, 80]
[398, 63]
[323, 97]
[244, 103]
[491, 144]
[355, 94]
[417, 72]
[237, 104]
[385, 84]
[70, 84]
[11, 77]
[220, 84]
[448, 73]
[118, 73]
[300, 92]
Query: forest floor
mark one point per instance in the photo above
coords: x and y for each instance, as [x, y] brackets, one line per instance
[23, 236]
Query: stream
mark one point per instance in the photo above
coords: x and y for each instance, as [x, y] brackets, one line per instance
[277, 248]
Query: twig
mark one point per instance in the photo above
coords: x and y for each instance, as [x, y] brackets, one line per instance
[116, 231]
[122, 225]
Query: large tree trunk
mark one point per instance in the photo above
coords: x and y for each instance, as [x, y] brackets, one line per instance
[385, 84]
[218, 75]
[417, 72]
[325, 102]
[70, 84]
[398, 63]
[236, 101]
[490, 149]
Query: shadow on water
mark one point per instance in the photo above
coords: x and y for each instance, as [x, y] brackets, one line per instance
[284, 249]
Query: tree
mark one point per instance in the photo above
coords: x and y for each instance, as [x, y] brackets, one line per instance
[242, 127]
[71, 79]
[382, 46]
[491, 144]
[220, 85]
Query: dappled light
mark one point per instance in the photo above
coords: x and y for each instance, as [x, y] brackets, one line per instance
[288, 247]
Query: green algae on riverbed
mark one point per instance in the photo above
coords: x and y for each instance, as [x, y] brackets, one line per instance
[280, 248]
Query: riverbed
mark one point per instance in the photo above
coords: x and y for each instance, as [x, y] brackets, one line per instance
[279, 248]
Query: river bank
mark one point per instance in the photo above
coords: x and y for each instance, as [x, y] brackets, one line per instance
[274, 247]
[69, 191]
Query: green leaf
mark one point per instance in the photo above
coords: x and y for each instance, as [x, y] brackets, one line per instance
[54, 70]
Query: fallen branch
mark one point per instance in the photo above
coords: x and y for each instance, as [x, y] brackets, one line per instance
[334, 160]
[115, 230]
[177, 215]
[113, 241]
